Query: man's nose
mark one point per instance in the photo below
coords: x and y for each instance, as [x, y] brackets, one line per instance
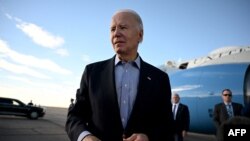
[117, 32]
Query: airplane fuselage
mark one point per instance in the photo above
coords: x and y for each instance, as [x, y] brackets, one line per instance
[200, 89]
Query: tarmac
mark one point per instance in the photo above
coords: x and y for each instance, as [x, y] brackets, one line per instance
[51, 128]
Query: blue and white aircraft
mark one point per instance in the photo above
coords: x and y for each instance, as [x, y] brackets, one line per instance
[200, 82]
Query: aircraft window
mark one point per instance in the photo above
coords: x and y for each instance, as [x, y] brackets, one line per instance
[183, 66]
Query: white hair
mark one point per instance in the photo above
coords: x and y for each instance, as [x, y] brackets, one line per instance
[137, 16]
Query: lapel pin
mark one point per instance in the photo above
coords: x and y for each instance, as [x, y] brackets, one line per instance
[148, 78]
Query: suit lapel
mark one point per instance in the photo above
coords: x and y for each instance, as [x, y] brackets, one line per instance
[178, 110]
[144, 80]
[224, 108]
[109, 77]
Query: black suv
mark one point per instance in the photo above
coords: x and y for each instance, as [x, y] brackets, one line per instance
[10, 106]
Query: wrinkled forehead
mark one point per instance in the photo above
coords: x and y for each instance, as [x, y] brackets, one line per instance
[226, 92]
[175, 96]
[123, 18]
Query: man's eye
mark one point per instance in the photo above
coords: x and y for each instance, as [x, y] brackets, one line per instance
[112, 29]
[123, 27]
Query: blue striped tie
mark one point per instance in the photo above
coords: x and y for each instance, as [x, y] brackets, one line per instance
[174, 111]
[229, 111]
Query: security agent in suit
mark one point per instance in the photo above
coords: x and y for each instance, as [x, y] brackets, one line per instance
[181, 117]
[122, 98]
[225, 110]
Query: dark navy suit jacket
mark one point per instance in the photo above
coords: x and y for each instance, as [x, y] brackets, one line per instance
[182, 119]
[220, 112]
[97, 111]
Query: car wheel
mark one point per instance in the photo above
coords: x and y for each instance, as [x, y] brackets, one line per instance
[33, 115]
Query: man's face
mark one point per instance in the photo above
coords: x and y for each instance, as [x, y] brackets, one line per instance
[227, 96]
[175, 99]
[125, 33]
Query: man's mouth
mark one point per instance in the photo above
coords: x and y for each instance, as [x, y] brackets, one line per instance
[119, 42]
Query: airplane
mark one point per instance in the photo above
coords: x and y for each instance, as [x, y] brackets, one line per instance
[199, 82]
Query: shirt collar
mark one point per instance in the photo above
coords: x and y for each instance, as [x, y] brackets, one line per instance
[176, 104]
[137, 61]
[229, 103]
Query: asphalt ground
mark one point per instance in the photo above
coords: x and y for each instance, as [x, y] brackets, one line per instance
[48, 128]
[51, 128]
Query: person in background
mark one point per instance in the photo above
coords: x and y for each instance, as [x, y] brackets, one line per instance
[181, 117]
[30, 103]
[225, 110]
[71, 103]
[122, 98]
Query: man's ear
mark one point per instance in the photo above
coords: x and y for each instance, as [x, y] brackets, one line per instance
[141, 36]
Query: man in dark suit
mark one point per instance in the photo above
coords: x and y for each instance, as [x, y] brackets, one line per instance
[225, 110]
[181, 117]
[122, 98]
